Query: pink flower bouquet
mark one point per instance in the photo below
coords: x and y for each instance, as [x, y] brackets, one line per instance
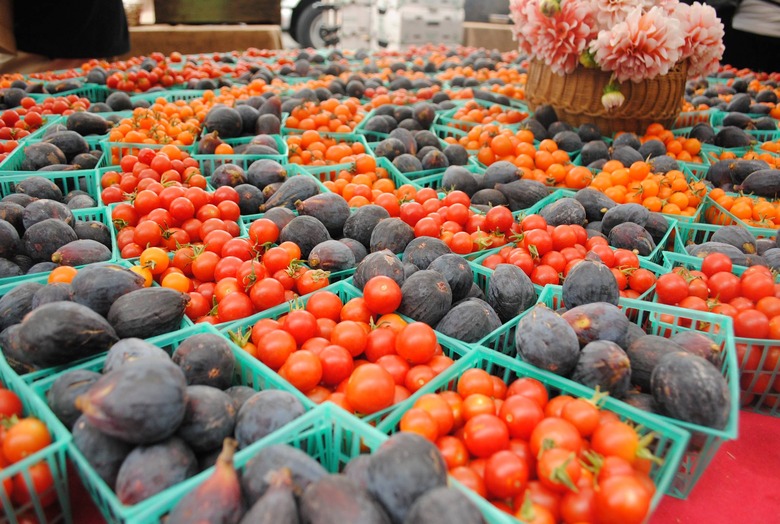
[635, 40]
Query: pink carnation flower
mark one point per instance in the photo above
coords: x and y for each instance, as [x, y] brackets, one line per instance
[643, 46]
[517, 12]
[559, 40]
[611, 12]
[703, 37]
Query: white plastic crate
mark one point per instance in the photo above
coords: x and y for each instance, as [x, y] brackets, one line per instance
[354, 19]
[398, 4]
[418, 25]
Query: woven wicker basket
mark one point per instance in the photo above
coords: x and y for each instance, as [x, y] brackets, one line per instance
[577, 97]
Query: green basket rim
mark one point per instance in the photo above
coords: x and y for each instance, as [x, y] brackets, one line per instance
[678, 436]
[133, 512]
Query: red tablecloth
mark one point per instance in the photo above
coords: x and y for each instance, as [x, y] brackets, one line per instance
[740, 486]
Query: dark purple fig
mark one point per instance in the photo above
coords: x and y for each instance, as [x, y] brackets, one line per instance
[335, 499]
[277, 505]
[545, 340]
[130, 350]
[148, 312]
[104, 453]
[81, 252]
[140, 402]
[43, 239]
[208, 143]
[44, 208]
[151, 469]
[217, 499]
[264, 413]
[228, 175]
[209, 418]
[226, 121]
[63, 332]
[207, 359]
[63, 393]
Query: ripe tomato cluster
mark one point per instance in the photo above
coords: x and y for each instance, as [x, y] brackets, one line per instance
[546, 254]
[475, 113]
[54, 105]
[669, 193]
[313, 148]
[230, 278]
[15, 125]
[753, 303]
[139, 79]
[331, 115]
[751, 300]
[174, 216]
[21, 437]
[541, 459]
[358, 354]
[452, 220]
[169, 166]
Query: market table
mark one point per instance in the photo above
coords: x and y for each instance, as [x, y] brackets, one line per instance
[187, 39]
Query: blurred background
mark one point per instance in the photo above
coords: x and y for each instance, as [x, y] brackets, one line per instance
[367, 24]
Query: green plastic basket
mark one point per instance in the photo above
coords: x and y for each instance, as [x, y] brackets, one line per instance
[331, 172]
[97, 214]
[434, 180]
[13, 163]
[248, 372]
[651, 317]
[48, 121]
[759, 369]
[371, 136]
[53, 455]
[115, 151]
[94, 92]
[691, 118]
[700, 233]
[328, 434]
[717, 117]
[448, 119]
[655, 256]
[209, 163]
[346, 291]
[42, 278]
[686, 132]
[67, 181]
[170, 95]
[669, 443]
[711, 210]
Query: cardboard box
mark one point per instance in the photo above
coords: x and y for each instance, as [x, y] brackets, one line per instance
[217, 11]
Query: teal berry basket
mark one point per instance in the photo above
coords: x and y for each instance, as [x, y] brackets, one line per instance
[115, 151]
[661, 320]
[757, 359]
[690, 118]
[668, 440]
[93, 214]
[452, 348]
[52, 504]
[169, 95]
[328, 434]
[29, 373]
[248, 372]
